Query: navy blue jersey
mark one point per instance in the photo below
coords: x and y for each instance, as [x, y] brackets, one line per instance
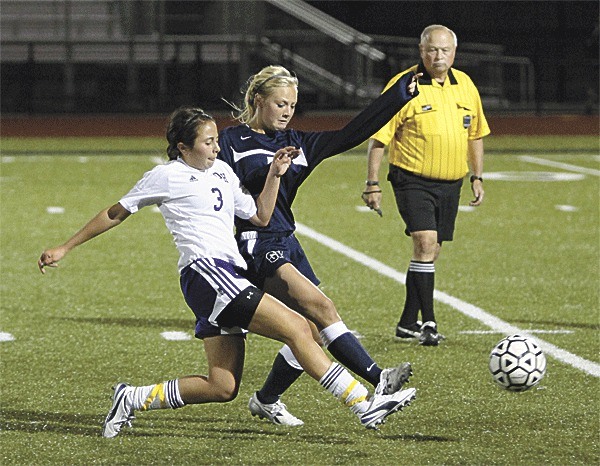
[249, 153]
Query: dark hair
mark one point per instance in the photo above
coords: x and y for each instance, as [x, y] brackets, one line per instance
[183, 127]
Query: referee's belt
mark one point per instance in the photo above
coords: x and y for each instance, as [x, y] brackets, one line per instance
[248, 235]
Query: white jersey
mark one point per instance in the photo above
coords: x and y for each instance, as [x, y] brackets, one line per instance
[198, 207]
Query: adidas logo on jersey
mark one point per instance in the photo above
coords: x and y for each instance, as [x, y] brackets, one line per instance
[193, 178]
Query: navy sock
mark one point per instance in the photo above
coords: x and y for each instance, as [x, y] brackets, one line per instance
[281, 377]
[351, 353]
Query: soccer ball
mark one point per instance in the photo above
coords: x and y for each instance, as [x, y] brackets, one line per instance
[517, 363]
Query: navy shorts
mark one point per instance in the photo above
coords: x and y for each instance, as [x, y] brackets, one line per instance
[266, 252]
[426, 204]
[222, 300]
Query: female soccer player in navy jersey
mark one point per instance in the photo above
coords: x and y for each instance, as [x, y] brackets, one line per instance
[276, 262]
[198, 197]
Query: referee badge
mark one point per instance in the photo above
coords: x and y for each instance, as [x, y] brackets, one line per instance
[466, 121]
[426, 108]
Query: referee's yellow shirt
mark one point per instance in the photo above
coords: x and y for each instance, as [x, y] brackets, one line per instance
[428, 137]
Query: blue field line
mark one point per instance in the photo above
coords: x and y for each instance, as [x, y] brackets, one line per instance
[561, 165]
[470, 310]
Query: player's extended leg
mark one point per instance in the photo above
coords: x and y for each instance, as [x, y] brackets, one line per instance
[301, 294]
[225, 356]
[274, 320]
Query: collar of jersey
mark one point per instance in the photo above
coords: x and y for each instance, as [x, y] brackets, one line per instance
[426, 79]
[179, 159]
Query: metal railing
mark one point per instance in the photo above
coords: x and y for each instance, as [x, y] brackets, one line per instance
[339, 62]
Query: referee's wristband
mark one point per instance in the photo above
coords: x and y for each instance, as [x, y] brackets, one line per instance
[475, 177]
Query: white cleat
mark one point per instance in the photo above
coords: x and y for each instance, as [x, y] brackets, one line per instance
[121, 412]
[277, 412]
[384, 405]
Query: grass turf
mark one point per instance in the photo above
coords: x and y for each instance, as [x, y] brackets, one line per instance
[97, 319]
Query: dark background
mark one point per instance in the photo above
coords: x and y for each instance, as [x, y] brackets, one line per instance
[560, 37]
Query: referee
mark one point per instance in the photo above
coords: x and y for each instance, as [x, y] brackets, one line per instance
[433, 141]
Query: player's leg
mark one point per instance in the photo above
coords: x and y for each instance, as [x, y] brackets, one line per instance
[274, 320]
[299, 293]
[225, 357]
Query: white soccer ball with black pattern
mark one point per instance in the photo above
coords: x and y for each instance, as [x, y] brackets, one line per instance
[517, 363]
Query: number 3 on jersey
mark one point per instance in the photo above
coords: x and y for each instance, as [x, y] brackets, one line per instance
[218, 206]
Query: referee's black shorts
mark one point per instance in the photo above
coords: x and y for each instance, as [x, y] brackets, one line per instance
[426, 204]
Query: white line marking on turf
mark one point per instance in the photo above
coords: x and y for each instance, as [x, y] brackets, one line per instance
[55, 210]
[489, 332]
[4, 336]
[534, 176]
[566, 208]
[498, 325]
[563, 166]
[176, 336]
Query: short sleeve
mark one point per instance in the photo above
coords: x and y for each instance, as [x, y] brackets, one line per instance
[152, 189]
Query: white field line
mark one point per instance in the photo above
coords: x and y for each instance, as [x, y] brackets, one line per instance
[589, 367]
[563, 166]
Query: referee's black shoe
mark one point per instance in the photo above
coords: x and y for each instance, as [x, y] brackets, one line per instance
[429, 334]
[407, 332]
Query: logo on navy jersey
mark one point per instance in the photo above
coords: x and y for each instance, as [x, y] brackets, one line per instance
[193, 178]
[274, 256]
[243, 138]
[221, 176]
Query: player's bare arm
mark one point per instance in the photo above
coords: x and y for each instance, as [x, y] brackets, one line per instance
[103, 221]
[265, 202]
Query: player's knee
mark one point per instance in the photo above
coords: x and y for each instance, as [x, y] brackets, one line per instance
[325, 312]
[226, 392]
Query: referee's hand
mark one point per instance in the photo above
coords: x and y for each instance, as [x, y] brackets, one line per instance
[478, 192]
[371, 196]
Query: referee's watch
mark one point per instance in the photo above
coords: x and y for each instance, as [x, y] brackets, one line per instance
[372, 183]
[475, 177]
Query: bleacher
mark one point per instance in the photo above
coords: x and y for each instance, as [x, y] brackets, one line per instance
[151, 59]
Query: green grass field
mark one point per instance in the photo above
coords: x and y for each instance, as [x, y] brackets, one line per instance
[529, 256]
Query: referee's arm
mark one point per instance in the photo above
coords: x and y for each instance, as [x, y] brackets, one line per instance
[475, 156]
[375, 156]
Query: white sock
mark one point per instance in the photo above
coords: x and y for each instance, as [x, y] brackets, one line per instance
[289, 357]
[159, 396]
[338, 381]
[329, 334]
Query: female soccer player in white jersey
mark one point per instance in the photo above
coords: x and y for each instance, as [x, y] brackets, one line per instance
[276, 262]
[198, 197]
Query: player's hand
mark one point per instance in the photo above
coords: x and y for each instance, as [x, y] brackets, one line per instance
[412, 86]
[478, 192]
[50, 258]
[283, 159]
[371, 196]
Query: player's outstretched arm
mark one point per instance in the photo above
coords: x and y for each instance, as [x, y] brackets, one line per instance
[103, 221]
